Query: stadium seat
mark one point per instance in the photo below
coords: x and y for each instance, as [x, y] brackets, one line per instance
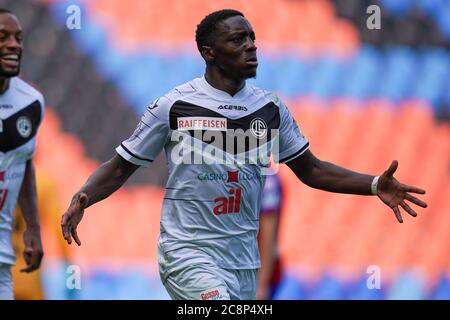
[442, 290]
[290, 288]
[408, 286]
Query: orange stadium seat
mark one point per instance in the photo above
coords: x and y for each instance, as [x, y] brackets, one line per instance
[304, 25]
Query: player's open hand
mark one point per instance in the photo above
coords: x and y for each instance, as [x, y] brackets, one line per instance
[72, 217]
[394, 193]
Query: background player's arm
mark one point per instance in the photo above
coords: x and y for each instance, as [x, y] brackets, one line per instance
[109, 177]
[27, 201]
[268, 229]
[330, 177]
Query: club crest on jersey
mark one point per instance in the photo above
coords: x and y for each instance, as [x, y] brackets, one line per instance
[202, 123]
[24, 126]
[258, 127]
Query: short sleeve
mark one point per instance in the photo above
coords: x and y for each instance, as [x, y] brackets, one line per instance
[292, 143]
[41, 102]
[150, 136]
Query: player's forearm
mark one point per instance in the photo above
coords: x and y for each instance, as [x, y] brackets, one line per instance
[268, 247]
[108, 178]
[28, 197]
[330, 177]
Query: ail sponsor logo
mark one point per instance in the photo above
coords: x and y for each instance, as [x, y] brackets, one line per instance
[230, 204]
[202, 123]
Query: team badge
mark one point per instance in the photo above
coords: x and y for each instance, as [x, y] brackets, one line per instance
[258, 128]
[24, 126]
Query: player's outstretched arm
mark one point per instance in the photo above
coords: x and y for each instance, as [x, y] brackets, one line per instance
[109, 177]
[330, 177]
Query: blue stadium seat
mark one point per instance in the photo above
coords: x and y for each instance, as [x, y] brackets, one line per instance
[442, 290]
[360, 291]
[100, 285]
[434, 76]
[290, 288]
[397, 7]
[328, 288]
[326, 78]
[362, 73]
[397, 80]
[443, 20]
[111, 63]
[431, 7]
[407, 287]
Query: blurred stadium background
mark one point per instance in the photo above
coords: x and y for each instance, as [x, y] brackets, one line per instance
[363, 97]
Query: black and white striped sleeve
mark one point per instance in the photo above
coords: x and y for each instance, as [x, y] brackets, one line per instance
[292, 143]
[150, 136]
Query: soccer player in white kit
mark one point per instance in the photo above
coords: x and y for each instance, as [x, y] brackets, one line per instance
[21, 112]
[209, 221]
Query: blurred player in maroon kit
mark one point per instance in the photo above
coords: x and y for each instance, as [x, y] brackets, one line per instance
[271, 207]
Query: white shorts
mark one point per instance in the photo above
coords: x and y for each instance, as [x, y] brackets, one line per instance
[6, 286]
[196, 277]
[208, 282]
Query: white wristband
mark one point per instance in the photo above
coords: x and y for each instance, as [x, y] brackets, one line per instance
[374, 185]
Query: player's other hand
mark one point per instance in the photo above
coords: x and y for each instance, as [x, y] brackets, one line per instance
[72, 217]
[395, 194]
[33, 252]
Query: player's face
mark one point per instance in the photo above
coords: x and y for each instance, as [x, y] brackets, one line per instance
[234, 48]
[10, 45]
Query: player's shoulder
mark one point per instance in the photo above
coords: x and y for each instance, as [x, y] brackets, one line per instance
[28, 90]
[183, 91]
[265, 94]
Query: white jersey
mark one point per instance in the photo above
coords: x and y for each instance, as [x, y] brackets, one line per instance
[212, 206]
[21, 112]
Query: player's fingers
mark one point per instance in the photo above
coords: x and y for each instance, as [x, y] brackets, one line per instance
[392, 168]
[408, 209]
[65, 226]
[407, 188]
[75, 236]
[397, 214]
[36, 258]
[416, 201]
[27, 255]
[66, 234]
[26, 269]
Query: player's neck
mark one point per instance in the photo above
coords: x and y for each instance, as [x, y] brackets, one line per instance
[4, 85]
[218, 81]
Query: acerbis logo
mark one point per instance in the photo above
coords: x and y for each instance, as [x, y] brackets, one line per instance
[232, 107]
[6, 106]
[23, 125]
[258, 128]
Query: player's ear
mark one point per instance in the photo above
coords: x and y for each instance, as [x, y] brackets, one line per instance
[208, 54]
